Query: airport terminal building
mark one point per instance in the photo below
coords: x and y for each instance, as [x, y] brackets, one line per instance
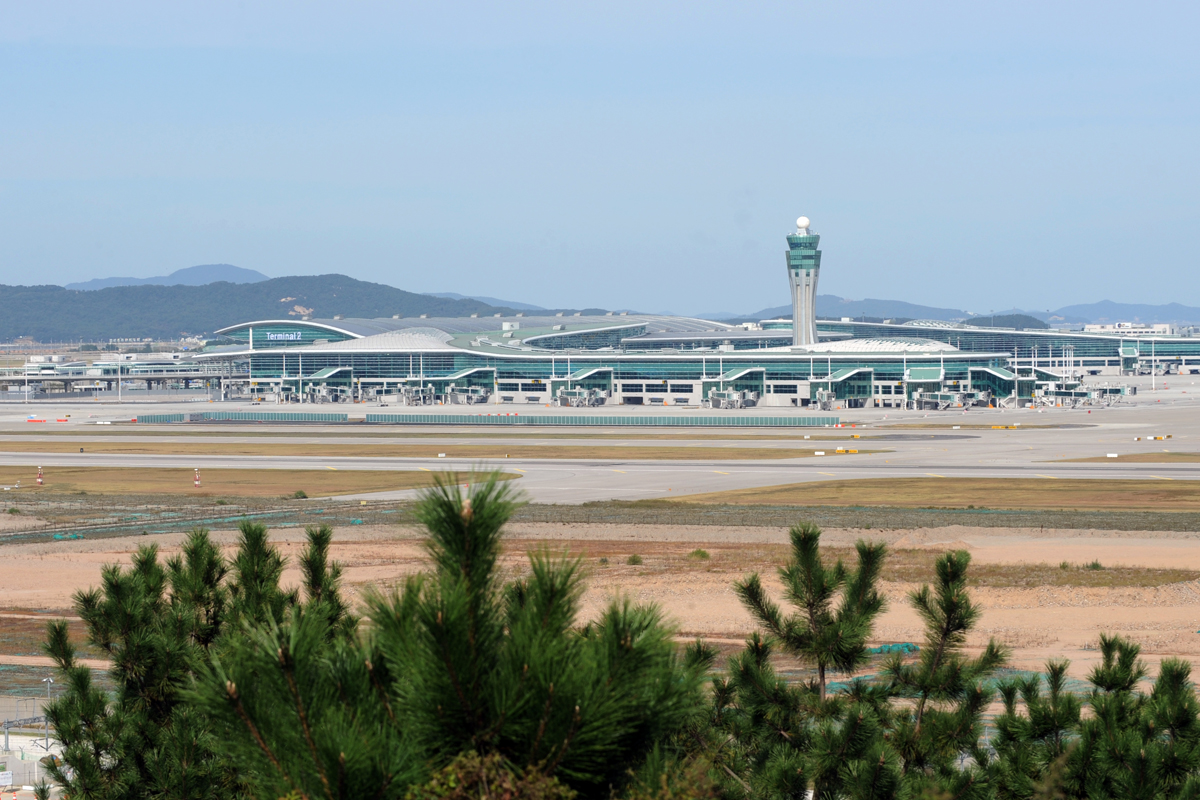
[651, 360]
[632, 359]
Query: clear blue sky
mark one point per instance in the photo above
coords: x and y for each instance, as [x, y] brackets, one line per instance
[645, 155]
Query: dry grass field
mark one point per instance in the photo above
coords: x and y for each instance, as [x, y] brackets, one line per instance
[1165, 457]
[999, 493]
[215, 482]
[1148, 588]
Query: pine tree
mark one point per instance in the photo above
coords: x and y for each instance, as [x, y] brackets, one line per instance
[780, 739]
[827, 637]
[944, 723]
[1031, 748]
[154, 623]
[158, 623]
[455, 661]
[1129, 745]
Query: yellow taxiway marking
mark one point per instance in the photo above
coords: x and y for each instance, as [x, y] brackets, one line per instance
[424, 470]
[719, 472]
[620, 471]
[934, 475]
[332, 468]
[1051, 477]
[1161, 478]
[826, 473]
[518, 470]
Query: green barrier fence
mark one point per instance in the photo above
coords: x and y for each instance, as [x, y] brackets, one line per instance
[158, 419]
[664, 421]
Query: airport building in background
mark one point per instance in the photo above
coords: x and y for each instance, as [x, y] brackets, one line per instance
[657, 360]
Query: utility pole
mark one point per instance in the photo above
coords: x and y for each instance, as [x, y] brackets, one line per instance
[49, 682]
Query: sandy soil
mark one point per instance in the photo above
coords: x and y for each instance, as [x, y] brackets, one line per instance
[1038, 623]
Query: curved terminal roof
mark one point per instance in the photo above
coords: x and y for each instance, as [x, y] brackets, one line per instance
[626, 335]
[358, 328]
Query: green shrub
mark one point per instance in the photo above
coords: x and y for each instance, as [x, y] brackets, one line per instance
[1095, 565]
[634, 560]
[1064, 566]
[14, 511]
[603, 561]
[299, 494]
[698, 554]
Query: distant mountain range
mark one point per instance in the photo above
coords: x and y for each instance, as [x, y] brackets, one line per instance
[57, 314]
[201, 299]
[200, 275]
[491, 301]
[829, 305]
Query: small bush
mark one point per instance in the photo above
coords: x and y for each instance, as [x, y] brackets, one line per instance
[222, 502]
[1064, 566]
[14, 511]
[698, 554]
[634, 560]
[603, 561]
[299, 494]
[1095, 565]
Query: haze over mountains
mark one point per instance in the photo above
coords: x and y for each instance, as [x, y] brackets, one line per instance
[200, 275]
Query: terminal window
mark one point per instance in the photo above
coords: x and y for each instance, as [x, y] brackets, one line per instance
[508, 387]
[681, 387]
[631, 387]
[532, 387]
[785, 388]
[657, 388]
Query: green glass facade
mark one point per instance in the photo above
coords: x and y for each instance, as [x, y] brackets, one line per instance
[802, 254]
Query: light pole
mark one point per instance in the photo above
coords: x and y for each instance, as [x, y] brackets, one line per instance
[49, 682]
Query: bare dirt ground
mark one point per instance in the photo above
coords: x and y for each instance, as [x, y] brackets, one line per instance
[1148, 589]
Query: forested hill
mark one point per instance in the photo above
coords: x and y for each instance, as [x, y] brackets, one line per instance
[55, 314]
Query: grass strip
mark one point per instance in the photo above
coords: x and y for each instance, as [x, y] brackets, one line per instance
[1139, 458]
[1000, 493]
[336, 450]
[677, 513]
[213, 482]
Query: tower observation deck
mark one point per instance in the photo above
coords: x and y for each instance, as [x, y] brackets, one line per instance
[804, 267]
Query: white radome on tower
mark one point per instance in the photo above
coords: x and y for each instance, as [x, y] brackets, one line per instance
[803, 222]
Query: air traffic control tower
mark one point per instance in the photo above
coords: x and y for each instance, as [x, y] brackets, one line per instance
[804, 267]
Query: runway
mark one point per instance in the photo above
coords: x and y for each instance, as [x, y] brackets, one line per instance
[580, 481]
[1026, 444]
